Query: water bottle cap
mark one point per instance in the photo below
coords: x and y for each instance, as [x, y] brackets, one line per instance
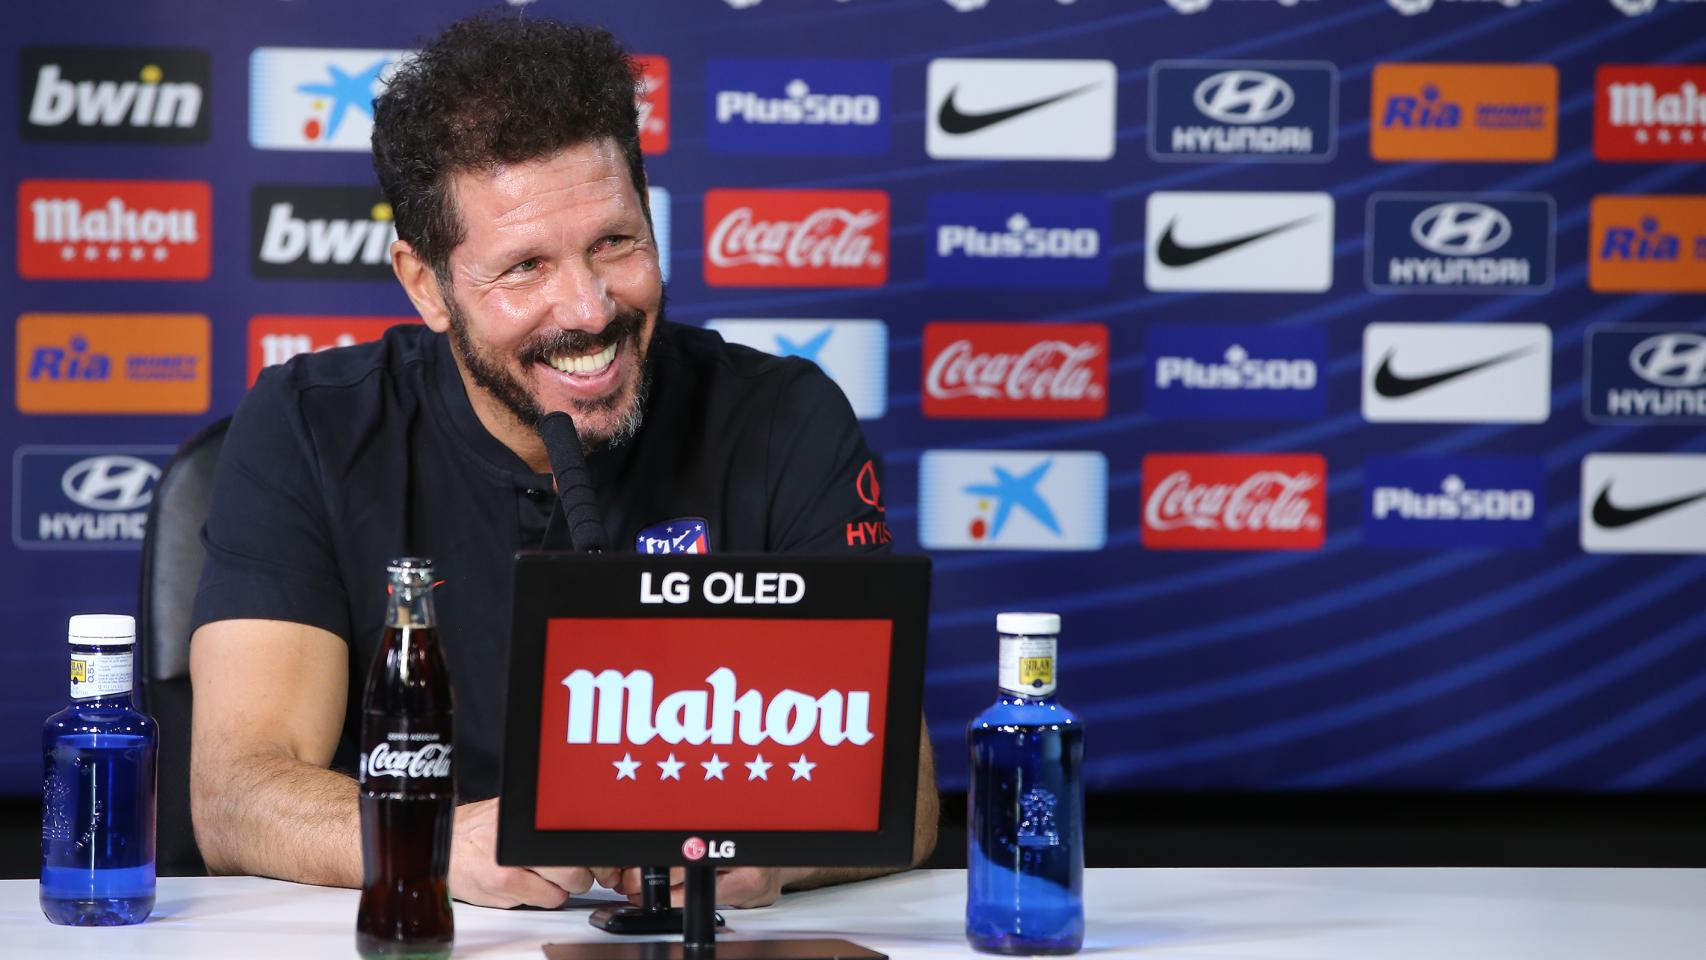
[103, 629]
[1028, 624]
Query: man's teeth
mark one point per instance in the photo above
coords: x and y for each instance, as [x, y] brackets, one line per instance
[592, 363]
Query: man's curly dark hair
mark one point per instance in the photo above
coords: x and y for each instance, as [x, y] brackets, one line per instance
[493, 90]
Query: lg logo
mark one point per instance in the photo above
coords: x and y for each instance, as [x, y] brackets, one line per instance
[112, 482]
[1461, 229]
[693, 848]
[1244, 97]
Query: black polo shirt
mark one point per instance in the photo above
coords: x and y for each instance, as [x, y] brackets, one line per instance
[337, 462]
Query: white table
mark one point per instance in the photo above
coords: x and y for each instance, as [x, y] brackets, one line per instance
[1295, 914]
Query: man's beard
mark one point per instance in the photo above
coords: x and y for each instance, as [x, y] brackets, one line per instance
[490, 374]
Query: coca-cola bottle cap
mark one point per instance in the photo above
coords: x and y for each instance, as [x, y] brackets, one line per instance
[102, 629]
[1028, 624]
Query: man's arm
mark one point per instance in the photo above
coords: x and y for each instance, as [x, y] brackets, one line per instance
[269, 707]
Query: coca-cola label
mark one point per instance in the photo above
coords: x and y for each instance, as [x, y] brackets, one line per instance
[712, 724]
[1056, 371]
[405, 756]
[1234, 501]
[796, 238]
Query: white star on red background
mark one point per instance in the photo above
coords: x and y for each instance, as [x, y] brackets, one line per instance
[671, 768]
[760, 768]
[626, 766]
[714, 767]
[802, 768]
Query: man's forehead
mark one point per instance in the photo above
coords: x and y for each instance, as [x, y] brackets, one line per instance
[592, 174]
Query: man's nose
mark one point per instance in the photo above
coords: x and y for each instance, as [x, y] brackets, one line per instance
[580, 299]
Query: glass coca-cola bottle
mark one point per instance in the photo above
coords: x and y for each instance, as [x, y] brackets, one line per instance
[408, 796]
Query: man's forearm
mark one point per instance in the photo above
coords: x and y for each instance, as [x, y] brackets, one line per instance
[273, 816]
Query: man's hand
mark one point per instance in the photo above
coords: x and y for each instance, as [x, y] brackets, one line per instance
[476, 878]
[736, 886]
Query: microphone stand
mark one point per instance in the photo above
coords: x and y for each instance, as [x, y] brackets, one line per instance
[579, 502]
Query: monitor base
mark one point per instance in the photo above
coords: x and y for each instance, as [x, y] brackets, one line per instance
[639, 921]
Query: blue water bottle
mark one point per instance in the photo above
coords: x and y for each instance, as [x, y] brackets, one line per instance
[1025, 823]
[98, 786]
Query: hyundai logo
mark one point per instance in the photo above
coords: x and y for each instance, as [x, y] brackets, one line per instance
[1671, 359]
[111, 482]
[1244, 96]
[1460, 229]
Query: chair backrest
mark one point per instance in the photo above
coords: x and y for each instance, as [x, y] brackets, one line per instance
[171, 569]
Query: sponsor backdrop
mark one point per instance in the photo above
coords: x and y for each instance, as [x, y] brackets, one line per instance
[1336, 368]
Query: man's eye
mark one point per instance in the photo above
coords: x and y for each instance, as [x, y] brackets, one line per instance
[526, 266]
[613, 241]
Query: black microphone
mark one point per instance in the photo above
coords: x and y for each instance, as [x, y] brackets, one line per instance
[574, 484]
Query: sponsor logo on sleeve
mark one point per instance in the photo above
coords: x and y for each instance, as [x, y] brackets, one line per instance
[273, 339]
[1464, 111]
[114, 229]
[297, 231]
[1215, 372]
[112, 363]
[83, 498]
[1220, 110]
[678, 536]
[1442, 503]
[1644, 503]
[1018, 240]
[1457, 372]
[1460, 243]
[1016, 370]
[1020, 109]
[855, 353]
[1246, 242]
[1234, 501]
[1645, 374]
[316, 99]
[1012, 500]
[1647, 243]
[788, 106]
[653, 104]
[114, 95]
[1650, 113]
[796, 238]
[868, 488]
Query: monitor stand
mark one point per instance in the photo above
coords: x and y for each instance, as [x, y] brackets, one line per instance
[699, 937]
[654, 915]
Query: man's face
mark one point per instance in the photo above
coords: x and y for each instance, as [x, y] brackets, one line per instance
[555, 291]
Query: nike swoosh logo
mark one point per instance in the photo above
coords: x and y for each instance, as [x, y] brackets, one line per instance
[1172, 253]
[952, 120]
[1610, 516]
[1389, 384]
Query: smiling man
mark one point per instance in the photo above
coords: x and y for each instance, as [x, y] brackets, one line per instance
[509, 152]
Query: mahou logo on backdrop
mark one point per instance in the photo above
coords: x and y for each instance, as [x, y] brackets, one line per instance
[114, 229]
[796, 238]
[1234, 501]
[275, 339]
[716, 724]
[1650, 112]
[653, 104]
[1016, 370]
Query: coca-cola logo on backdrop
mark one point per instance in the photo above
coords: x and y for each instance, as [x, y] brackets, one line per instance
[712, 724]
[1016, 370]
[1234, 501]
[796, 238]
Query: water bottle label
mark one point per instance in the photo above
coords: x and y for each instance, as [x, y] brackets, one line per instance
[100, 675]
[1027, 665]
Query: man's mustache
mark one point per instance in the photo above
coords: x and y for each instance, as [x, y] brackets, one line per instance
[579, 342]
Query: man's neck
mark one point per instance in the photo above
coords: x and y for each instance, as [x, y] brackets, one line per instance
[501, 423]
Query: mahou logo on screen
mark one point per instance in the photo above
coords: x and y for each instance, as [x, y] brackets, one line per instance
[1234, 501]
[276, 339]
[1016, 370]
[114, 229]
[796, 238]
[1650, 112]
[713, 724]
[653, 104]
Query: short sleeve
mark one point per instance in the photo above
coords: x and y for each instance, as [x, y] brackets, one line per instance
[825, 496]
[268, 542]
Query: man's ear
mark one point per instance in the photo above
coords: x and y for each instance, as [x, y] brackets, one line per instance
[421, 285]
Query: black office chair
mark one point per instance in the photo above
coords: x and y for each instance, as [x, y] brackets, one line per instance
[171, 569]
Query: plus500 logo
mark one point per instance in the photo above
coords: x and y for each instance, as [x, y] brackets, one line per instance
[797, 106]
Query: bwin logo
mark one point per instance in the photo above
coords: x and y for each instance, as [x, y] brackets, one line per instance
[1244, 97]
[110, 483]
[1461, 229]
[288, 238]
[1671, 360]
[148, 101]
